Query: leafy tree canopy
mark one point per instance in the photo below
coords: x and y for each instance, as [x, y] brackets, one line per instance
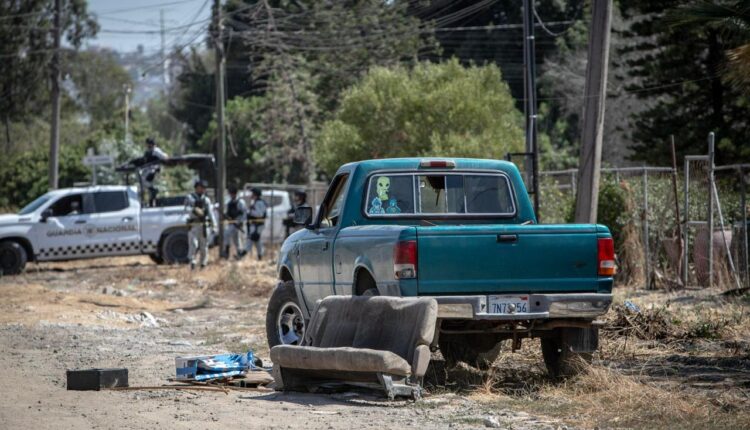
[431, 110]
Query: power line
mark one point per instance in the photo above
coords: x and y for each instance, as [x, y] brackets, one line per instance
[151, 6]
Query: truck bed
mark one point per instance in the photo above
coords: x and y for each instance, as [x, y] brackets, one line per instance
[498, 259]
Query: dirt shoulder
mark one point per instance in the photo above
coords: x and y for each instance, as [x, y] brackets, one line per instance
[90, 314]
[682, 360]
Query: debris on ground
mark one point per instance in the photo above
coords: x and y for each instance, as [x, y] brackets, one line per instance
[646, 324]
[96, 379]
[219, 366]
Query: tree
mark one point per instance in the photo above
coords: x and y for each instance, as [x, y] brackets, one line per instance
[431, 110]
[679, 68]
[25, 52]
[99, 81]
[23, 176]
[463, 33]
[733, 20]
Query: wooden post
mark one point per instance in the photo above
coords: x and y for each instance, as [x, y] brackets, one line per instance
[54, 144]
[678, 232]
[587, 198]
[221, 182]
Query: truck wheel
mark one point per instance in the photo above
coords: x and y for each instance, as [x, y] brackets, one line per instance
[12, 258]
[175, 247]
[285, 322]
[474, 350]
[366, 286]
[558, 350]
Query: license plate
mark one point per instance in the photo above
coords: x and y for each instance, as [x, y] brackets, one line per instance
[508, 304]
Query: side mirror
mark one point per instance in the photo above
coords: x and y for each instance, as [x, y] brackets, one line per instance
[45, 214]
[303, 215]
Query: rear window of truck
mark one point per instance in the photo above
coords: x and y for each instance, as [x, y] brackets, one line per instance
[457, 194]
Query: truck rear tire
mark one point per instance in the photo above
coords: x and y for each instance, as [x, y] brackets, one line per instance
[285, 322]
[475, 350]
[13, 258]
[175, 247]
[569, 350]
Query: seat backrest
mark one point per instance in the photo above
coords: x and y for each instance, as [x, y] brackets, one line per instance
[391, 324]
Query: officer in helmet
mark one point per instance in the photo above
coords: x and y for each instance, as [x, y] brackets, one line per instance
[201, 221]
[151, 158]
[235, 215]
[256, 221]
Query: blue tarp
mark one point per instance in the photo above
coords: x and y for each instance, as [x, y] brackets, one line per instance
[219, 366]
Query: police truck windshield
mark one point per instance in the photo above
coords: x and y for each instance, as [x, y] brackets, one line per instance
[36, 204]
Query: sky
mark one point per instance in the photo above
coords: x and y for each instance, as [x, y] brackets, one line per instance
[127, 24]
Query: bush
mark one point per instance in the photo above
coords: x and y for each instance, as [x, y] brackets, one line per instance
[612, 209]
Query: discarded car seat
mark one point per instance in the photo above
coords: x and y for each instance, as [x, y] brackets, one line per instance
[378, 342]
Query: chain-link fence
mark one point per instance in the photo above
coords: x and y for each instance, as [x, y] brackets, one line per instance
[637, 204]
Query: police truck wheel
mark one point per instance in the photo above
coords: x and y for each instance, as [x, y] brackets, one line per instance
[285, 323]
[175, 247]
[12, 258]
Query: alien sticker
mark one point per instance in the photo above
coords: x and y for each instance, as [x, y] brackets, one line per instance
[383, 203]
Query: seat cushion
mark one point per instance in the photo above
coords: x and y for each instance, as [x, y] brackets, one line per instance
[341, 359]
[383, 323]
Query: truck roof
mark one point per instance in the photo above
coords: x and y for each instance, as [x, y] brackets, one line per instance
[90, 188]
[413, 163]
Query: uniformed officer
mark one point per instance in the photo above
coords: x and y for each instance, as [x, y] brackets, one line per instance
[299, 199]
[201, 221]
[236, 216]
[256, 220]
[151, 157]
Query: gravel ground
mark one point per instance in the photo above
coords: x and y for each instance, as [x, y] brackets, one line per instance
[130, 313]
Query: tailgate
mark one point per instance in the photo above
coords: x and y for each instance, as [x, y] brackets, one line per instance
[458, 260]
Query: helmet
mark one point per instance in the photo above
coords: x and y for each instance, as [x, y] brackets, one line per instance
[232, 189]
[200, 183]
[256, 192]
[150, 141]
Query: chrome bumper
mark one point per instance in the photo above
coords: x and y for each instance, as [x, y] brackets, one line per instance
[541, 306]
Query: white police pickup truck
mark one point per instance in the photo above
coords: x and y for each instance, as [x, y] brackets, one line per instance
[97, 221]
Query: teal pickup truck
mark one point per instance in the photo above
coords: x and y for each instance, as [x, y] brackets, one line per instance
[462, 231]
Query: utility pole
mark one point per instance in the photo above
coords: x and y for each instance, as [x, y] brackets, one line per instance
[529, 91]
[127, 113]
[163, 52]
[589, 165]
[54, 141]
[221, 150]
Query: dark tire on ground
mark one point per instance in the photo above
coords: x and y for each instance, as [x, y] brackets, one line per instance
[156, 258]
[365, 285]
[285, 322]
[174, 247]
[13, 258]
[475, 350]
[559, 357]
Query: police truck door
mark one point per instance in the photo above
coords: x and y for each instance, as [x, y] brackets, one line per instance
[61, 234]
[115, 223]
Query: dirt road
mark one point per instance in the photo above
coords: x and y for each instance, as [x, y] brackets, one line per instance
[652, 372]
[93, 314]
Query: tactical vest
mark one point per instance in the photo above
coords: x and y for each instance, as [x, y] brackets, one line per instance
[233, 209]
[149, 157]
[199, 202]
[260, 219]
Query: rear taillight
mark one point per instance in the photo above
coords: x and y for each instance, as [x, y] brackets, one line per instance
[405, 259]
[606, 257]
